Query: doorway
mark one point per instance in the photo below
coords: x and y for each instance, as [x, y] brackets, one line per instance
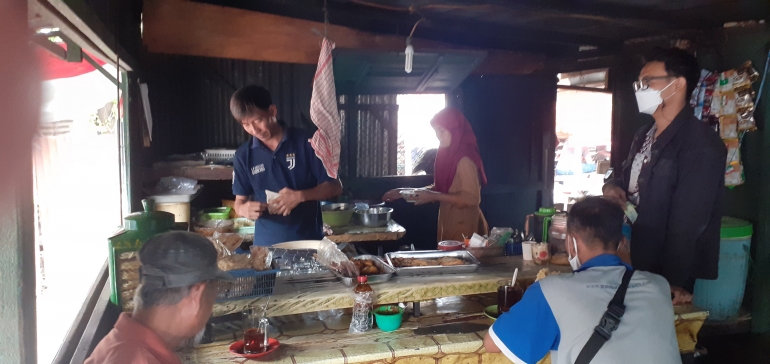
[584, 134]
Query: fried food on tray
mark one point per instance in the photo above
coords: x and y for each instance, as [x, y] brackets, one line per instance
[545, 272]
[366, 267]
[369, 270]
[416, 262]
[235, 261]
[449, 261]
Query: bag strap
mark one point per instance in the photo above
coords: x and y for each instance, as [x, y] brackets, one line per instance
[609, 322]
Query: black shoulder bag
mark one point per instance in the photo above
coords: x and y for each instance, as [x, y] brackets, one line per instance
[608, 323]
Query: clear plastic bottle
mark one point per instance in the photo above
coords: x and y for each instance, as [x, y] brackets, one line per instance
[363, 303]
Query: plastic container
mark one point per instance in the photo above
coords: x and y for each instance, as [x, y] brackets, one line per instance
[216, 213]
[243, 225]
[180, 210]
[337, 214]
[388, 319]
[124, 247]
[450, 245]
[723, 297]
[248, 283]
[489, 251]
[557, 233]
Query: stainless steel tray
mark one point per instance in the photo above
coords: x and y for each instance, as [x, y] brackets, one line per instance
[471, 263]
[375, 278]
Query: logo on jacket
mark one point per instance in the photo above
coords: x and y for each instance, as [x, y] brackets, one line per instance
[291, 158]
[257, 169]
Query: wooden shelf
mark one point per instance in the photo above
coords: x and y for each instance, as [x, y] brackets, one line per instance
[203, 173]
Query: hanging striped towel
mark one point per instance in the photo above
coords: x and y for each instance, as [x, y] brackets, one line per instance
[323, 112]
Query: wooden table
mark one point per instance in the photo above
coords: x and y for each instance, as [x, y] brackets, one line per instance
[357, 234]
[323, 338]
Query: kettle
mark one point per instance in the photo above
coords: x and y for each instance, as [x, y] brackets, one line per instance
[536, 224]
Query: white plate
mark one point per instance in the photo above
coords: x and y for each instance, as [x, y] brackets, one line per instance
[299, 244]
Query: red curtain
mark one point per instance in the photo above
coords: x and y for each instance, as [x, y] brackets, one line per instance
[53, 67]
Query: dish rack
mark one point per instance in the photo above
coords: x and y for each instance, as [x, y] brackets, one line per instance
[218, 155]
[249, 283]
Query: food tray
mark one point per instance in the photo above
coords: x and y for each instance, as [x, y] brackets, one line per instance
[376, 278]
[248, 283]
[471, 262]
[218, 155]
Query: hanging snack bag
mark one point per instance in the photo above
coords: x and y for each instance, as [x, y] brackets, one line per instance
[746, 121]
[726, 80]
[733, 151]
[734, 175]
[728, 127]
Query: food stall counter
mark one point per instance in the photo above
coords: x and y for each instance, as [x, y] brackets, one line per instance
[295, 297]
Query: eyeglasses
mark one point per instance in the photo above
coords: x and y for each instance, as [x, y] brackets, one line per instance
[644, 83]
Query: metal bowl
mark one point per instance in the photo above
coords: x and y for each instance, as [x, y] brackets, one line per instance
[375, 217]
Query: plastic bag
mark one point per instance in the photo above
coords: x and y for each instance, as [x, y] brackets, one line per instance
[334, 259]
[225, 243]
[176, 185]
[498, 236]
[261, 257]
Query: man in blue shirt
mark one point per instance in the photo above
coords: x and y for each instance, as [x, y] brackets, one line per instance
[277, 159]
[558, 314]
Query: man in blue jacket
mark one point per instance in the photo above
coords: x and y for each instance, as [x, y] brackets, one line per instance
[559, 313]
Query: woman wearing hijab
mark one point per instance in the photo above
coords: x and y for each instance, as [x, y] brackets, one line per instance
[458, 177]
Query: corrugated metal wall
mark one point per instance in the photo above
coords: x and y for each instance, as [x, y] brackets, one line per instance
[189, 97]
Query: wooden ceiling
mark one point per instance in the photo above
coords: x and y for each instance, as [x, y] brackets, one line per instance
[550, 27]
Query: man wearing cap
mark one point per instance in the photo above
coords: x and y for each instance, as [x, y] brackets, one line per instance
[178, 287]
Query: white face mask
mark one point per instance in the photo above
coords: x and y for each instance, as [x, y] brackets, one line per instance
[574, 262]
[648, 100]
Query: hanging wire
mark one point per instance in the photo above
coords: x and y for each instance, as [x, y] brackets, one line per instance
[764, 78]
[415, 26]
[326, 20]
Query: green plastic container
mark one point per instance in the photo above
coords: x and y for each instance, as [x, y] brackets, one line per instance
[388, 321]
[723, 296]
[337, 214]
[124, 248]
[217, 213]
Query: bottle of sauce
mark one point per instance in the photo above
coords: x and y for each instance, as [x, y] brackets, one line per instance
[363, 297]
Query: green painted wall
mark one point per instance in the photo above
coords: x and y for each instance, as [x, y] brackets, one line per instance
[17, 277]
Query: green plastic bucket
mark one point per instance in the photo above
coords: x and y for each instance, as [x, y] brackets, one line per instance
[723, 296]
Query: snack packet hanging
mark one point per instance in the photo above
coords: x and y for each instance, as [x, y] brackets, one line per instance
[728, 127]
[733, 151]
[734, 175]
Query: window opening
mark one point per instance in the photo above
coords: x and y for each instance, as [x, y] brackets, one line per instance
[584, 133]
[77, 189]
[416, 139]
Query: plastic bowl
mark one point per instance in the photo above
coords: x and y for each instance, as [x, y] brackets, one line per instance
[209, 227]
[387, 319]
[337, 214]
[243, 225]
[217, 213]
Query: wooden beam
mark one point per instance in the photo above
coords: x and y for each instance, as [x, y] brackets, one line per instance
[58, 15]
[190, 28]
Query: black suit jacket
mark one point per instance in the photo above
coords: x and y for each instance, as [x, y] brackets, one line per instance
[680, 201]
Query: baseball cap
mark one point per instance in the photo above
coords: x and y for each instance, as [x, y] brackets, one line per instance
[179, 259]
